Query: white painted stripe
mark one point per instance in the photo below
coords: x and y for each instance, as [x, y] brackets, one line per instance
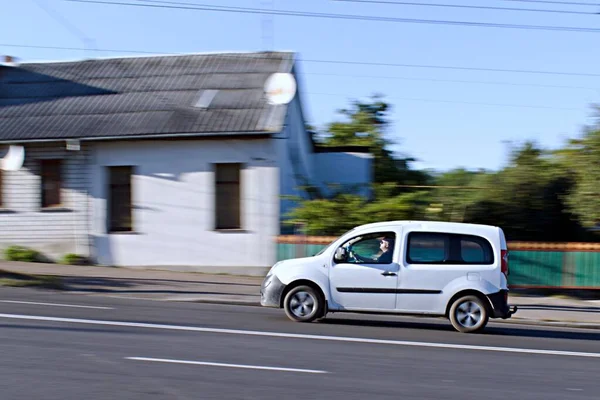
[300, 336]
[212, 364]
[55, 304]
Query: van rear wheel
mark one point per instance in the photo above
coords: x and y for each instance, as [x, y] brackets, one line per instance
[303, 304]
[469, 314]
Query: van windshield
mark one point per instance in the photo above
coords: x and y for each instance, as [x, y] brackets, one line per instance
[335, 240]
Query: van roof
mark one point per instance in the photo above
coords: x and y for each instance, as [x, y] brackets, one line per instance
[433, 225]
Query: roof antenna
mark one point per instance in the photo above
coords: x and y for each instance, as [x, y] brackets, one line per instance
[89, 44]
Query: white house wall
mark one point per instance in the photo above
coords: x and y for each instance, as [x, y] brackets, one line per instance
[173, 194]
[55, 232]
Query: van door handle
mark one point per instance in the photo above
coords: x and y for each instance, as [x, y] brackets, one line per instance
[387, 273]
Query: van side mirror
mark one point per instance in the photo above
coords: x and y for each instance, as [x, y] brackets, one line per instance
[340, 255]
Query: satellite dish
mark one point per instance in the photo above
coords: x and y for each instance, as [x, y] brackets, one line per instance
[280, 88]
[13, 160]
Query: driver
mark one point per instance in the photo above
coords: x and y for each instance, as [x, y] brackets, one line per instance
[386, 247]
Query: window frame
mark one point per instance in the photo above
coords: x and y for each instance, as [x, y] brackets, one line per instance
[44, 205]
[395, 250]
[452, 237]
[110, 228]
[240, 222]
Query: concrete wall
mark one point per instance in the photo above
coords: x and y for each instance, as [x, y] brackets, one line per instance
[345, 169]
[173, 196]
[53, 232]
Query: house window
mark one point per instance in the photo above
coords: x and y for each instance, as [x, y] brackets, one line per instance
[227, 196]
[51, 174]
[119, 199]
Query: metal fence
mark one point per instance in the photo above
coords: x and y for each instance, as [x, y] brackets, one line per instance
[532, 265]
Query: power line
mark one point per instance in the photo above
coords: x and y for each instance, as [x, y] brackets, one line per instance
[244, 10]
[340, 62]
[87, 42]
[463, 6]
[402, 78]
[566, 3]
[28, 46]
[472, 103]
[520, 71]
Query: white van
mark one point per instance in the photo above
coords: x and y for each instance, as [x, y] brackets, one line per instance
[454, 270]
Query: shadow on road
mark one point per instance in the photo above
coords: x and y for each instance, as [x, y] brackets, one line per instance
[151, 286]
[62, 329]
[553, 307]
[425, 325]
[512, 331]
[540, 332]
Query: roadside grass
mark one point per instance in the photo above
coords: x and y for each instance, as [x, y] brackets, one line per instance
[15, 279]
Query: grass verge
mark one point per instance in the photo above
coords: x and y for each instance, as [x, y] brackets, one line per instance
[15, 279]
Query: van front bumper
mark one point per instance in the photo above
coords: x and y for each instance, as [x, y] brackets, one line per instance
[271, 291]
[500, 307]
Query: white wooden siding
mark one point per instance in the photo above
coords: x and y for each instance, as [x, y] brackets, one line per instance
[53, 232]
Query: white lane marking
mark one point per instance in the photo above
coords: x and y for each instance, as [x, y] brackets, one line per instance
[574, 389]
[55, 304]
[300, 336]
[212, 364]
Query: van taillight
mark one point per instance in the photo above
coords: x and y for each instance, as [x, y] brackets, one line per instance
[504, 267]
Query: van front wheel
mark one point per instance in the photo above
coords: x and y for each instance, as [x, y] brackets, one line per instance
[303, 304]
[469, 314]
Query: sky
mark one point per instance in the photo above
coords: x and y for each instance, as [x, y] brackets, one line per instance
[445, 118]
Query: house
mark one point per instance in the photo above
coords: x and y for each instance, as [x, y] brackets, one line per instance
[164, 161]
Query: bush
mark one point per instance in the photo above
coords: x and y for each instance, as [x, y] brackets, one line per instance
[74, 259]
[20, 253]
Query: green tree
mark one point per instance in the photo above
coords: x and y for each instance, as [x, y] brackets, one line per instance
[527, 198]
[345, 211]
[455, 191]
[366, 124]
[581, 158]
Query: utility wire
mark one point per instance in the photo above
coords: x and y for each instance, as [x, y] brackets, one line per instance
[244, 10]
[499, 83]
[340, 62]
[473, 103]
[566, 3]
[521, 71]
[463, 6]
[87, 42]
[28, 46]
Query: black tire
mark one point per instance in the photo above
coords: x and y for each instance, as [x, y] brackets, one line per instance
[469, 314]
[297, 304]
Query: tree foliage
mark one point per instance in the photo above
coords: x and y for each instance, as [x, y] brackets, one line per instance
[539, 195]
[366, 124]
[581, 158]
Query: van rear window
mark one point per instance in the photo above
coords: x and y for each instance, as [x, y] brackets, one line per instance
[448, 249]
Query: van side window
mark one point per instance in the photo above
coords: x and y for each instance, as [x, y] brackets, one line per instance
[448, 249]
[474, 251]
[428, 248]
[373, 248]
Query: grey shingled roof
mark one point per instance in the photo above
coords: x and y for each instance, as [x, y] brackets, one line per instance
[130, 97]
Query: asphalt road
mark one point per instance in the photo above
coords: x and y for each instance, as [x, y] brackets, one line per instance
[66, 346]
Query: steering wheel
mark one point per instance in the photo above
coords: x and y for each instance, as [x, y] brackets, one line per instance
[352, 257]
